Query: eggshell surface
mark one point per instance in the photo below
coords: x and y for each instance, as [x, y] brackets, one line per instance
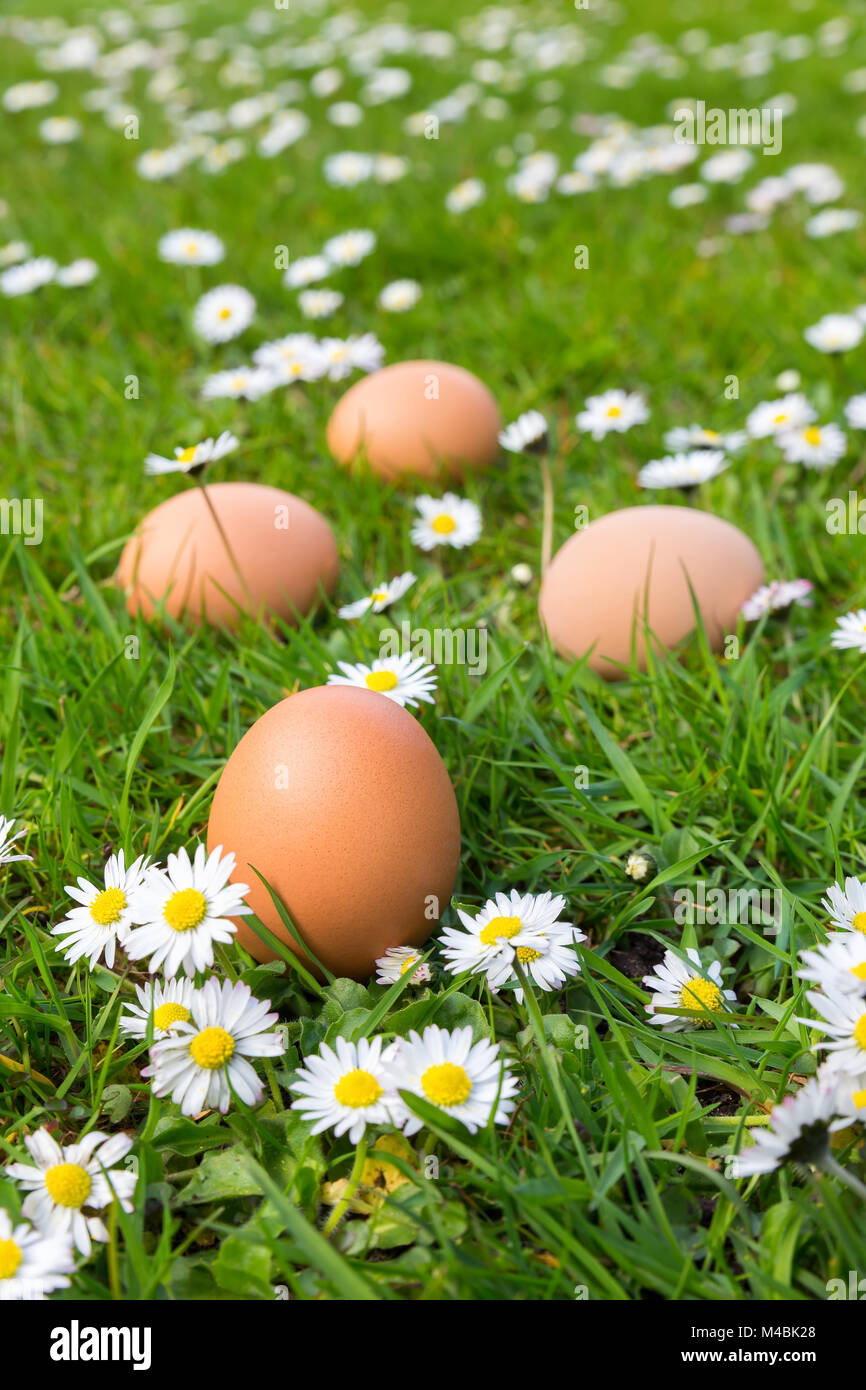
[341, 801]
[284, 550]
[638, 564]
[423, 418]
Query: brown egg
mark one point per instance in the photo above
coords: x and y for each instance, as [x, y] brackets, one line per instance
[338, 797]
[423, 418]
[638, 564]
[283, 556]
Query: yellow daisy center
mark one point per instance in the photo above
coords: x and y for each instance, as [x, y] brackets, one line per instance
[68, 1184]
[357, 1089]
[191, 248]
[859, 971]
[212, 1048]
[407, 964]
[187, 455]
[185, 909]
[858, 1099]
[860, 1031]
[107, 906]
[526, 955]
[443, 524]
[446, 1084]
[10, 1258]
[379, 595]
[858, 921]
[613, 411]
[701, 994]
[781, 418]
[225, 313]
[497, 927]
[380, 680]
[711, 434]
[812, 435]
[169, 1013]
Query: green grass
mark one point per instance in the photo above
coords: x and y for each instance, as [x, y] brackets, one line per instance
[747, 772]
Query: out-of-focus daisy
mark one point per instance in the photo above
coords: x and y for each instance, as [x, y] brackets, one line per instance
[26, 96]
[238, 383]
[364, 350]
[388, 168]
[525, 435]
[798, 1131]
[683, 470]
[687, 984]
[855, 412]
[64, 1181]
[396, 961]
[788, 381]
[686, 195]
[344, 114]
[77, 273]
[466, 195]
[167, 1002]
[337, 357]
[791, 412]
[399, 296]
[850, 632]
[59, 130]
[306, 270]
[7, 840]
[468, 1081]
[613, 410]
[346, 1088]
[348, 169]
[297, 357]
[349, 248]
[727, 167]
[404, 679]
[189, 246]
[14, 251]
[381, 597]
[641, 866]
[184, 909]
[223, 313]
[319, 304]
[815, 446]
[834, 333]
[846, 906]
[27, 276]
[507, 923]
[842, 1017]
[32, 1264]
[832, 220]
[448, 520]
[193, 458]
[205, 1059]
[683, 438]
[106, 915]
[776, 596]
[837, 965]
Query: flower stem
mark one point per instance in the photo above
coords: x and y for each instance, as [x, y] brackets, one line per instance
[547, 512]
[342, 1206]
[225, 540]
[831, 1167]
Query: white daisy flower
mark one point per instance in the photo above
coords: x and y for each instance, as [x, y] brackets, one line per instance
[399, 296]
[77, 273]
[380, 598]
[69, 1179]
[7, 839]
[297, 357]
[791, 412]
[155, 165]
[686, 195]
[470, 1082]
[32, 1264]
[776, 596]
[830, 221]
[466, 195]
[447, 520]
[683, 470]
[205, 1060]
[388, 168]
[59, 130]
[350, 248]
[508, 924]
[798, 1131]
[525, 435]
[184, 909]
[239, 383]
[27, 276]
[788, 380]
[575, 181]
[846, 906]
[365, 353]
[26, 96]
[850, 634]
[223, 313]
[816, 446]
[850, 1097]
[682, 438]
[404, 679]
[843, 1019]
[306, 271]
[14, 251]
[548, 959]
[189, 246]
[344, 114]
[345, 1088]
[167, 1003]
[396, 961]
[285, 129]
[336, 355]
[837, 965]
[192, 459]
[686, 984]
[105, 916]
[727, 167]
[347, 169]
[855, 412]
[613, 410]
[834, 333]
[319, 304]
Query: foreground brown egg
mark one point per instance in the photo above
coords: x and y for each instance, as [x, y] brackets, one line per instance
[338, 797]
[285, 555]
[638, 564]
[423, 418]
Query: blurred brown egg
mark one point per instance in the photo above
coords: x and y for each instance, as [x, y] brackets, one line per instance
[423, 418]
[636, 565]
[340, 800]
[283, 556]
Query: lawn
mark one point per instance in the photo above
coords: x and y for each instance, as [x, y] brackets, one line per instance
[739, 771]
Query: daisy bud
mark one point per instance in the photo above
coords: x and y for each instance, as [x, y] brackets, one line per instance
[641, 867]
